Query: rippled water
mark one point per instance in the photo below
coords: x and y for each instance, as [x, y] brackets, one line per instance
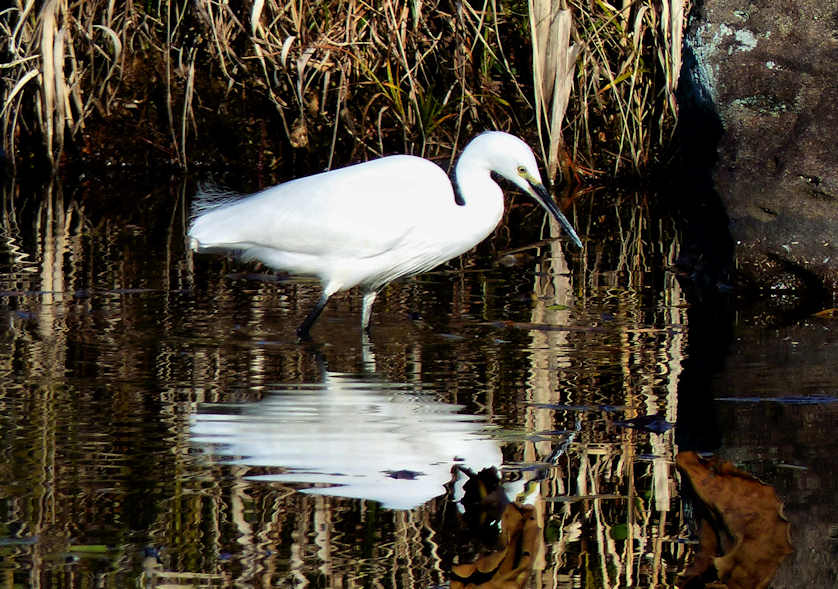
[161, 426]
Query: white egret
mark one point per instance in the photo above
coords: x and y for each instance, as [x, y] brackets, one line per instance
[368, 224]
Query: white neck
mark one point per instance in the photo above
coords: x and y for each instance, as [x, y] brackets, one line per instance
[482, 196]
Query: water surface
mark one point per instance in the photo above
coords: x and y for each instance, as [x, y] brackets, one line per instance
[161, 425]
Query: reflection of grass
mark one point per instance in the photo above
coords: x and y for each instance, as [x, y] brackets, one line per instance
[609, 489]
[148, 359]
[419, 77]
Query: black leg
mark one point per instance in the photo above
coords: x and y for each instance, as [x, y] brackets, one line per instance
[302, 330]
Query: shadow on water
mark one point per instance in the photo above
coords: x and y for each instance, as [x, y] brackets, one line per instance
[159, 419]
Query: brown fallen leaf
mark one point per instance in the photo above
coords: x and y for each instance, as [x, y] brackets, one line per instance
[702, 561]
[751, 534]
[509, 567]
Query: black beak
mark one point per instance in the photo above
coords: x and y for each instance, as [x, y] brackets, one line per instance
[545, 200]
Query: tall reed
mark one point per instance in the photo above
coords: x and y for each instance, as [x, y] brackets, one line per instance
[348, 78]
[59, 65]
[627, 76]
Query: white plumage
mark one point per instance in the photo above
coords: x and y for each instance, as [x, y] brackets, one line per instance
[368, 224]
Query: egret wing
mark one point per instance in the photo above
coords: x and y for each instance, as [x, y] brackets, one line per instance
[358, 211]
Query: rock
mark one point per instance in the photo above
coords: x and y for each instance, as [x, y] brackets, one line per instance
[769, 72]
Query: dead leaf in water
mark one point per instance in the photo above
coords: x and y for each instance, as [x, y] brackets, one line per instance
[745, 536]
[509, 567]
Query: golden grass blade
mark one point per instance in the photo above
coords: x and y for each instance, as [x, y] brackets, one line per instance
[256, 15]
[27, 77]
[672, 26]
[17, 62]
[187, 107]
[563, 84]
[543, 68]
[554, 59]
[48, 32]
[538, 12]
[22, 20]
[74, 91]
[339, 104]
[302, 62]
[117, 44]
[286, 48]
[109, 14]
[62, 94]
[637, 32]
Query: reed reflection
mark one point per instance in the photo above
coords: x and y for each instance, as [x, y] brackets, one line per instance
[121, 356]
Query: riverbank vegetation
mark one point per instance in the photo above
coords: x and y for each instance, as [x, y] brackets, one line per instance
[260, 83]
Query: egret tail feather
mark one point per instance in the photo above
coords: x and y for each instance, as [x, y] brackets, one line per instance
[210, 197]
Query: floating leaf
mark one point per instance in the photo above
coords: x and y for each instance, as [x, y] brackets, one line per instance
[744, 534]
[511, 566]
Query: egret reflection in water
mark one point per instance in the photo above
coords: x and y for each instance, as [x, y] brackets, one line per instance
[355, 436]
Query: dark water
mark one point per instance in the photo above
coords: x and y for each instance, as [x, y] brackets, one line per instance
[160, 425]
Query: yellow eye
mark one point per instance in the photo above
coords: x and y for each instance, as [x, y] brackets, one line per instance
[522, 171]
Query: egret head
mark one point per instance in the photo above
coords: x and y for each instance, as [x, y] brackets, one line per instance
[514, 160]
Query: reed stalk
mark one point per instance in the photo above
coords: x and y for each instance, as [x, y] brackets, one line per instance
[344, 77]
[627, 73]
[554, 66]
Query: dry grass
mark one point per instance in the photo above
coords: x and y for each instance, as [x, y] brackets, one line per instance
[627, 75]
[351, 76]
[58, 68]
[554, 67]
